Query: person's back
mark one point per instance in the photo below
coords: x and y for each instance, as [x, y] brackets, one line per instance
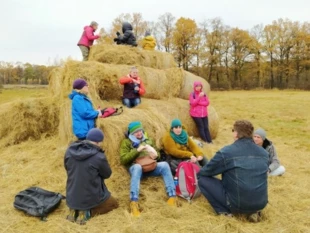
[148, 42]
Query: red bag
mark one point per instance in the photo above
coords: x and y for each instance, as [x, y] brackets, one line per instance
[106, 112]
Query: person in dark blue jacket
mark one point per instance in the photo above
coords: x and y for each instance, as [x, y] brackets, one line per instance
[83, 113]
[87, 167]
[244, 168]
[128, 37]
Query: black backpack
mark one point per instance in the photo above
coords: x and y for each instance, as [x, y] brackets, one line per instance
[37, 202]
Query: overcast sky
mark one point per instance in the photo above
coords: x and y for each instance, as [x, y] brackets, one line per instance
[37, 31]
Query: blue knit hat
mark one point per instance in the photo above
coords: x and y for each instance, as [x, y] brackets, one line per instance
[95, 135]
[175, 123]
[79, 84]
[134, 127]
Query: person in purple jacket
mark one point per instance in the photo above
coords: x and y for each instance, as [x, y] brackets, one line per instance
[199, 103]
[87, 39]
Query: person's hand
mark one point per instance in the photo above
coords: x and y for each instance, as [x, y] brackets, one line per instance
[115, 39]
[140, 148]
[118, 33]
[199, 158]
[193, 159]
[100, 113]
[201, 94]
[137, 88]
[153, 156]
[135, 81]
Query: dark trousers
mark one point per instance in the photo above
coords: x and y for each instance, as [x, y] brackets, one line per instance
[105, 207]
[213, 190]
[202, 124]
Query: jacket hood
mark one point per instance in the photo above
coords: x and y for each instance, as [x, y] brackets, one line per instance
[266, 143]
[126, 26]
[197, 83]
[149, 38]
[73, 93]
[89, 27]
[82, 150]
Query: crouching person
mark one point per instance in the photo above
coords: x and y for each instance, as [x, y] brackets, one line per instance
[138, 145]
[87, 168]
[244, 167]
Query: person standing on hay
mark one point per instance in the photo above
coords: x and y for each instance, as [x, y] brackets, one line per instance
[243, 165]
[180, 147]
[128, 38]
[87, 167]
[148, 42]
[139, 155]
[133, 88]
[83, 113]
[87, 39]
[275, 169]
[199, 103]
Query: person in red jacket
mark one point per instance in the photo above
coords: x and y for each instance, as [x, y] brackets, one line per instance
[87, 39]
[199, 103]
[133, 88]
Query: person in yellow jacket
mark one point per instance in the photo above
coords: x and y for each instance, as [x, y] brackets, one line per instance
[148, 42]
[180, 147]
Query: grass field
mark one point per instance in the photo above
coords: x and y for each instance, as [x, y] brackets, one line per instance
[284, 115]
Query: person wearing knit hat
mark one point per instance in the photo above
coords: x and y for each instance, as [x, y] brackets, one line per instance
[86, 192]
[181, 147]
[82, 111]
[260, 139]
[138, 145]
[87, 39]
[148, 42]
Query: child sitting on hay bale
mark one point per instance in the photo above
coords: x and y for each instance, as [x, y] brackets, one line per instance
[128, 37]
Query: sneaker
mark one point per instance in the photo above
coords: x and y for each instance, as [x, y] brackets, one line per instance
[172, 201]
[83, 217]
[72, 215]
[134, 209]
[229, 215]
[255, 217]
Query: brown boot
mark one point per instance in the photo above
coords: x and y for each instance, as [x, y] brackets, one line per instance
[134, 209]
[172, 201]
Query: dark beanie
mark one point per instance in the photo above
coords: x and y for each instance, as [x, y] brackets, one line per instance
[79, 84]
[95, 135]
[147, 33]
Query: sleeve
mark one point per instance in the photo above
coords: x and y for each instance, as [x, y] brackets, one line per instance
[142, 88]
[125, 36]
[204, 101]
[193, 147]
[80, 105]
[215, 167]
[275, 163]
[125, 79]
[127, 152]
[171, 148]
[103, 166]
[193, 101]
[90, 35]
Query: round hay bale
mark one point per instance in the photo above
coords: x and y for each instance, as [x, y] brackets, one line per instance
[127, 55]
[55, 81]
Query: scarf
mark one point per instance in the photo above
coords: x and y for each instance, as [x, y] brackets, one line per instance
[180, 139]
[135, 141]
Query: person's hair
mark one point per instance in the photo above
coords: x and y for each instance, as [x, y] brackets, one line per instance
[244, 129]
[133, 68]
[93, 23]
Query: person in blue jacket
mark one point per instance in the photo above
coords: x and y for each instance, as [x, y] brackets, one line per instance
[83, 113]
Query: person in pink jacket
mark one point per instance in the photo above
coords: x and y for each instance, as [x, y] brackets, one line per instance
[87, 39]
[199, 103]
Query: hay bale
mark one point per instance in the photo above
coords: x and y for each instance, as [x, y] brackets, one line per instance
[188, 84]
[28, 119]
[127, 55]
[55, 81]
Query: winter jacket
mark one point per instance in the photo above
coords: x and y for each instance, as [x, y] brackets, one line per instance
[129, 85]
[83, 114]
[88, 37]
[86, 167]
[148, 43]
[129, 151]
[180, 151]
[198, 105]
[244, 167]
[128, 37]
[274, 162]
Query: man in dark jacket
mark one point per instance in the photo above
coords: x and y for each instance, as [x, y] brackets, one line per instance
[128, 37]
[244, 168]
[87, 167]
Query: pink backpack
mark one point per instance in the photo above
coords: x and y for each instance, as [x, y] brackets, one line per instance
[187, 186]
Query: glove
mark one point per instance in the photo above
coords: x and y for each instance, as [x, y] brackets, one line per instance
[115, 39]
[118, 33]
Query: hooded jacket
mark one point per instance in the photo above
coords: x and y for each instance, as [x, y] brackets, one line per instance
[198, 104]
[148, 43]
[86, 167]
[83, 114]
[128, 37]
[88, 37]
[274, 162]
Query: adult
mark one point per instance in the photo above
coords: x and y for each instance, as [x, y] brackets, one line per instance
[180, 147]
[260, 138]
[87, 167]
[87, 39]
[83, 113]
[128, 38]
[137, 145]
[243, 166]
[133, 88]
[199, 103]
[148, 42]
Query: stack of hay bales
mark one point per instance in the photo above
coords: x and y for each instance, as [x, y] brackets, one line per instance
[167, 91]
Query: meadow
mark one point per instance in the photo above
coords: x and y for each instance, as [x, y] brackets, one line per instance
[283, 114]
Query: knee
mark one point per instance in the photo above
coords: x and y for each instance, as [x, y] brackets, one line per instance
[164, 166]
[126, 102]
[136, 169]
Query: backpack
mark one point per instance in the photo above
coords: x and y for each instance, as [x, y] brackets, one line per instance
[106, 112]
[37, 202]
[187, 186]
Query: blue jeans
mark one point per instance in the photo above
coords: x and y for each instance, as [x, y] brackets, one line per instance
[162, 169]
[130, 103]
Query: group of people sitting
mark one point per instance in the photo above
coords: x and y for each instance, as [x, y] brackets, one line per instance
[127, 38]
[244, 165]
